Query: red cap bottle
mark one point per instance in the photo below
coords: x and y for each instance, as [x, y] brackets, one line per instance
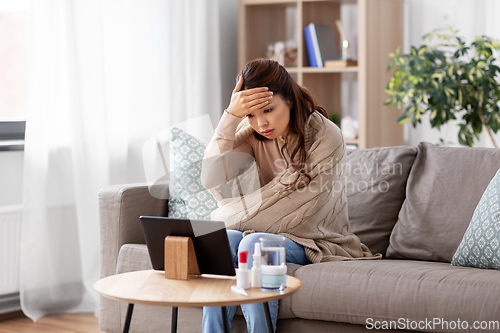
[243, 257]
[243, 274]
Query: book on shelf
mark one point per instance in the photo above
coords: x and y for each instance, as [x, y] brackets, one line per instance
[326, 43]
[340, 63]
[314, 38]
[320, 44]
[309, 46]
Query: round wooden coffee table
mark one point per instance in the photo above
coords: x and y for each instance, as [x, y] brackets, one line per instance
[152, 288]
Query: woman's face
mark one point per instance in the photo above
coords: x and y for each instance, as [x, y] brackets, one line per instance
[273, 120]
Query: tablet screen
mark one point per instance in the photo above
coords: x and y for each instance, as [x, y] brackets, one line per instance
[210, 241]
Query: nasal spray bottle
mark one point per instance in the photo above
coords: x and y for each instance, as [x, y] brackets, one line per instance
[242, 275]
[256, 270]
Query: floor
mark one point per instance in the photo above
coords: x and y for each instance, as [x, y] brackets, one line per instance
[60, 323]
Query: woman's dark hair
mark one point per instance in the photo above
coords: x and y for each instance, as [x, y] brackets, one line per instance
[269, 73]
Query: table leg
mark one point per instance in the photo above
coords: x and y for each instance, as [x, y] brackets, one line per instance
[128, 318]
[225, 321]
[267, 313]
[175, 311]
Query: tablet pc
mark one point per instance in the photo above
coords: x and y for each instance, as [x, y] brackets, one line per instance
[210, 241]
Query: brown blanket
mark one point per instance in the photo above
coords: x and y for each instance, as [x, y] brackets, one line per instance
[314, 216]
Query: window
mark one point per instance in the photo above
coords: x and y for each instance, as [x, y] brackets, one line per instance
[14, 55]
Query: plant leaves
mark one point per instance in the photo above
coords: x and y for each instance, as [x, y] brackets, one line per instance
[450, 79]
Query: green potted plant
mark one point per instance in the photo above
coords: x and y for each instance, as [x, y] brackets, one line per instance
[451, 80]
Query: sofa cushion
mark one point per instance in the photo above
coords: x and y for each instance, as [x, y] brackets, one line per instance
[361, 292]
[443, 189]
[376, 182]
[188, 198]
[135, 257]
[480, 246]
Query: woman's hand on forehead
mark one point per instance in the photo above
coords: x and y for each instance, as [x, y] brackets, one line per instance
[244, 102]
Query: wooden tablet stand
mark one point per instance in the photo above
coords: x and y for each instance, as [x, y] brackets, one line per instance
[180, 258]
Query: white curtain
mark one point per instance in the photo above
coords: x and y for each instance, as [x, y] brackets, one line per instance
[105, 76]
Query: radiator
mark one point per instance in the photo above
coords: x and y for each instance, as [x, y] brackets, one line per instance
[10, 226]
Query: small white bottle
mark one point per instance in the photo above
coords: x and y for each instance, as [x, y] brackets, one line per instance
[256, 269]
[243, 275]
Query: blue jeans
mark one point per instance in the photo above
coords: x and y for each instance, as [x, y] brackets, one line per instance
[254, 313]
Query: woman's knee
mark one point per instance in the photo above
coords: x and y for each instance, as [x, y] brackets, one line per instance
[234, 237]
[247, 243]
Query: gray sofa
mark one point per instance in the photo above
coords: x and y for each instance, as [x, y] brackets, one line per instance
[412, 204]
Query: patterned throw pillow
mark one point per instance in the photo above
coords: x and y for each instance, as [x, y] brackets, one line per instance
[188, 198]
[480, 246]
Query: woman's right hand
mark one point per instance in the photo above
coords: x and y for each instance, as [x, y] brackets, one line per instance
[248, 101]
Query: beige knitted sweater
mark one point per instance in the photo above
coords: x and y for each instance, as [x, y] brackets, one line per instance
[314, 216]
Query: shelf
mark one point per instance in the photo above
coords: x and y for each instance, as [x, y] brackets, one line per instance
[352, 142]
[349, 69]
[292, 70]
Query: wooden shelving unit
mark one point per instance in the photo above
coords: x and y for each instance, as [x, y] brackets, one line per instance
[379, 32]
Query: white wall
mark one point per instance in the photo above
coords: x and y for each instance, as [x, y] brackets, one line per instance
[228, 48]
[471, 18]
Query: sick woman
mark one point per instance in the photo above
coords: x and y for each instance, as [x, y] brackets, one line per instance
[276, 166]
